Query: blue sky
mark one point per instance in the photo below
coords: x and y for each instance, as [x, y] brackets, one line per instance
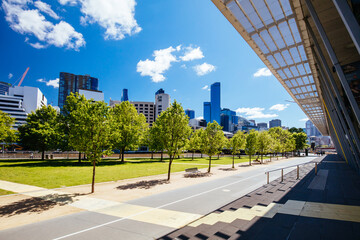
[180, 46]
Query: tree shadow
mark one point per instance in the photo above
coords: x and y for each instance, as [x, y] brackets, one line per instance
[228, 169]
[197, 175]
[36, 204]
[143, 184]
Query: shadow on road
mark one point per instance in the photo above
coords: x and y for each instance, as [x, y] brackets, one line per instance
[143, 184]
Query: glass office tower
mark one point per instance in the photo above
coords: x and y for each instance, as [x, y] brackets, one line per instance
[207, 112]
[190, 113]
[124, 95]
[215, 102]
[71, 83]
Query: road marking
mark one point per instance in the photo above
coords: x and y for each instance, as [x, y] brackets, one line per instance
[149, 210]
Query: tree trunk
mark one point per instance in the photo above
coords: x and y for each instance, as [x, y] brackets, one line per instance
[233, 163]
[161, 159]
[169, 170]
[42, 155]
[152, 155]
[218, 156]
[192, 158]
[262, 159]
[93, 177]
[201, 155]
[122, 155]
[250, 159]
[209, 165]
[79, 157]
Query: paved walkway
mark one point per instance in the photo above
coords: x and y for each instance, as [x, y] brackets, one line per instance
[322, 206]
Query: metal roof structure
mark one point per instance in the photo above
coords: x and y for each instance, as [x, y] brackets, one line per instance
[271, 30]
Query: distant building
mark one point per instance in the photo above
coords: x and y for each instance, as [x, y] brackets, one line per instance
[21, 101]
[71, 83]
[262, 126]
[112, 103]
[253, 121]
[4, 88]
[162, 101]
[207, 111]
[92, 94]
[311, 130]
[228, 120]
[190, 113]
[146, 108]
[215, 102]
[275, 123]
[124, 95]
[197, 123]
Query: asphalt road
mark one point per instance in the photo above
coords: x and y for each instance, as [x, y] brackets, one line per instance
[153, 216]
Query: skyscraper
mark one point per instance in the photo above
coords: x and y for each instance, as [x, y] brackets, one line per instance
[207, 112]
[162, 101]
[215, 102]
[71, 83]
[275, 123]
[190, 113]
[124, 95]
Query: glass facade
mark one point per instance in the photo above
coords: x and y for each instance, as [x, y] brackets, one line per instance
[215, 102]
[275, 123]
[124, 95]
[4, 88]
[207, 112]
[190, 113]
[71, 83]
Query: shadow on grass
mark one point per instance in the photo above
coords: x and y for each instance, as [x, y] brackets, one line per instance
[71, 163]
[36, 204]
[143, 184]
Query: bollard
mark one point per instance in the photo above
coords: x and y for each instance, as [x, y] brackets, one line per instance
[282, 175]
[267, 177]
[315, 168]
[297, 172]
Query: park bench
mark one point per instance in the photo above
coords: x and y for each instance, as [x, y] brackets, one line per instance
[191, 171]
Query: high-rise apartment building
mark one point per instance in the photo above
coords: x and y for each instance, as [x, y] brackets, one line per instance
[20, 101]
[71, 83]
[262, 126]
[215, 102]
[162, 101]
[275, 123]
[190, 113]
[124, 95]
[4, 88]
[146, 108]
[207, 111]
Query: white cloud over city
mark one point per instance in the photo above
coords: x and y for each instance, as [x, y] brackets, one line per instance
[10, 75]
[279, 107]
[51, 83]
[253, 113]
[304, 119]
[262, 72]
[163, 58]
[203, 69]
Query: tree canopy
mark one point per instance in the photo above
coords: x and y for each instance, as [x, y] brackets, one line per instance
[264, 143]
[251, 143]
[237, 142]
[7, 133]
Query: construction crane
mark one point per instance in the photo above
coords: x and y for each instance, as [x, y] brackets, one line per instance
[22, 77]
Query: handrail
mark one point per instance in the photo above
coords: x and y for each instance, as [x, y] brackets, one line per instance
[282, 170]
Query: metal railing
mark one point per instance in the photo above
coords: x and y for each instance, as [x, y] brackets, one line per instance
[297, 170]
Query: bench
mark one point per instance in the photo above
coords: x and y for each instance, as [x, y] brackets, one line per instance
[192, 171]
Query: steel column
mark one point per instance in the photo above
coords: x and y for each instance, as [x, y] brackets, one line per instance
[349, 20]
[334, 60]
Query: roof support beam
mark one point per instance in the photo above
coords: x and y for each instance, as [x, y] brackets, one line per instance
[281, 20]
[333, 58]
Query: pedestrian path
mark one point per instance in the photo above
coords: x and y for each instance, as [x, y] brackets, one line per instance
[322, 206]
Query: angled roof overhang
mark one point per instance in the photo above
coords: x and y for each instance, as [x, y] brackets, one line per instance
[271, 30]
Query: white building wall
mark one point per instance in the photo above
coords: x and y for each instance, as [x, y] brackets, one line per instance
[97, 96]
[162, 102]
[32, 97]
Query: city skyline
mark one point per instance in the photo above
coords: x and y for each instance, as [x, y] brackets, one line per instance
[182, 57]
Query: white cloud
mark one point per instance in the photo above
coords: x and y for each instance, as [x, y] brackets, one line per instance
[117, 17]
[279, 107]
[262, 72]
[174, 90]
[255, 112]
[204, 68]
[53, 83]
[31, 22]
[161, 63]
[200, 118]
[304, 119]
[10, 75]
[69, 2]
[192, 54]
[205, 87]
[46, 8]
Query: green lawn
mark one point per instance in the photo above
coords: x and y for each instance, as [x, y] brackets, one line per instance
[60, 173]
[4, 192]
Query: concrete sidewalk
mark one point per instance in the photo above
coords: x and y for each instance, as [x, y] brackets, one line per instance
[322, 206]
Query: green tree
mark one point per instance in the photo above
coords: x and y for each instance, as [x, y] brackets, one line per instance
[91, 133]
[68, 122]
[263, 143]
[300, 140]
[174, 131]
[128, 128]
[296, 130]
[237, 142]
[155, 141]
[7, 133]
[276, 134]
[41, 131]
[251, 144]
[194, 143]
[290, 143]
[213, 140]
